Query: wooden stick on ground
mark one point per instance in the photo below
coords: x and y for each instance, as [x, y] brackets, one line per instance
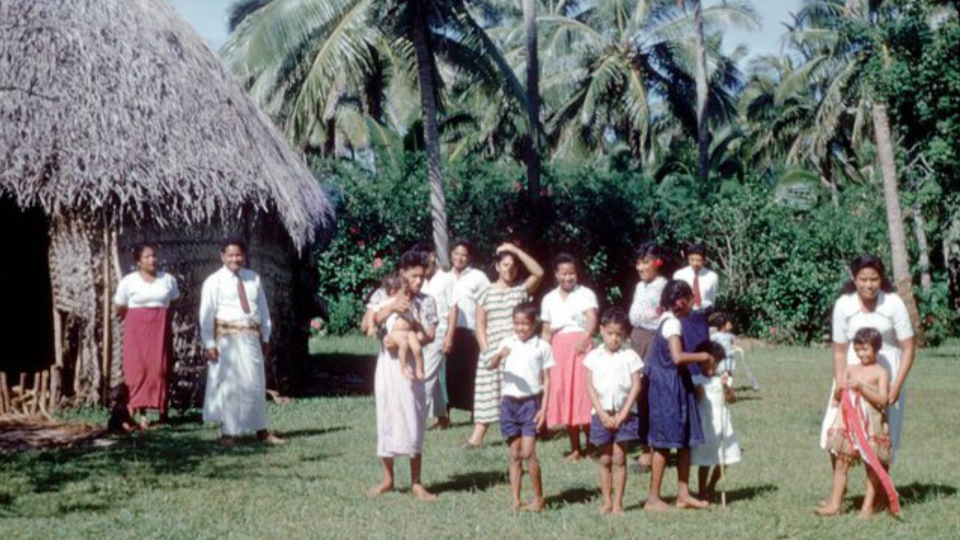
[4, 394]
[36, 393]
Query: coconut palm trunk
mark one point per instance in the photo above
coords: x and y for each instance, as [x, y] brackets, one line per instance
[431, 134]
[891, 192]
[703, 96]
[533, 102]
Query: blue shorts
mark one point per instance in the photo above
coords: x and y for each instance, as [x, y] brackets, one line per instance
[518, 416]
[629, 431]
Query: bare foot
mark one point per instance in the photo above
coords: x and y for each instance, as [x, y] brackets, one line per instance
[656, 505]
[441, 423]
[828, 511]
[144, 423]
[419, 374]
[606, 508]
[535, 506]
[617, 511]
[380, 489]
[865, 513]
[406, 372]
[227, 442]
[690, 503]
[515, 507]
[422, 494]
[575, 455]
[271, 439]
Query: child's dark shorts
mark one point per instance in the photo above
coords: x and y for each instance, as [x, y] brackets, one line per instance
[628, 432]
[518, 416]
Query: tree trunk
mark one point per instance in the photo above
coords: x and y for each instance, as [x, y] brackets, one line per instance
[923, 248]
[951, 256]
[703, 96]
[891, 192]
[431, 134]
[533, 102]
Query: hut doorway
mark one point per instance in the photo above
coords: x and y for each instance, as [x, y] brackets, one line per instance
[26, 300]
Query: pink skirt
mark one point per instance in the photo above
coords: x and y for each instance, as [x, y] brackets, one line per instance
[146, 357]
[568, 403]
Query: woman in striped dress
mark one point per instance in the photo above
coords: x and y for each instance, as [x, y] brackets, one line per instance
[494, 323]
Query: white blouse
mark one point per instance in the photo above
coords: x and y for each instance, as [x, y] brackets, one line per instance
[440, 287]
[645, 309]
[890, 318]
[134, 292]
[524, 366]
[611, 373]
[566, 315]
[709, 284]
[467, 288]
[219, 300]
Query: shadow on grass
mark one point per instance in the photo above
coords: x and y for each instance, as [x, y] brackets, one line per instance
[337, 374]
[916, 494]
[577, 495]
[750, 493]
[480, 481]
[303, 433]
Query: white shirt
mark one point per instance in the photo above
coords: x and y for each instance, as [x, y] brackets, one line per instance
[440, 287]
[570, 314]
[467, 288]
[219, 300]
[134, 292]
[523, 367]
[890, 318]
[645, 309]
[612, 375]
[709, 285]
[671, 325]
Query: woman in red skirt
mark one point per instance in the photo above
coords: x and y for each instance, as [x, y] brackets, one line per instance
[143, 300]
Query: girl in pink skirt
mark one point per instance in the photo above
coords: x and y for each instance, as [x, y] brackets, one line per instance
[569, 315]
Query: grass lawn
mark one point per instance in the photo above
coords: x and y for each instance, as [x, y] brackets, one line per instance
[176, 482]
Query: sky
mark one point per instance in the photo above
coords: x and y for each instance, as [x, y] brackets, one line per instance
[209, 17]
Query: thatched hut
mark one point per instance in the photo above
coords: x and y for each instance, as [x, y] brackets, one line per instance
[118, 124]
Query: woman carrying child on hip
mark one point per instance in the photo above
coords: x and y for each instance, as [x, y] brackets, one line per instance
[674, 417]
[613, 383]
[525, 360]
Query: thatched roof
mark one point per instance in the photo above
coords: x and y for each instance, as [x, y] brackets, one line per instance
[119, 105]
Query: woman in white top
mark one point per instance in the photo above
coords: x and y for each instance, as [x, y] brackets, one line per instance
[460, 344]
[142, 301]
[569, 315]
[645, 308]
[868, 301]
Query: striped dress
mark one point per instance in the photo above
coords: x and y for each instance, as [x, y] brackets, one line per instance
[498, 305]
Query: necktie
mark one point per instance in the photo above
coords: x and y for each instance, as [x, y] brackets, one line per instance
[242, 292]
[696, 289]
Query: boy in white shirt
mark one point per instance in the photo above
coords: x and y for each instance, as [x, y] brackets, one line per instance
[613, 383]
[526, 360]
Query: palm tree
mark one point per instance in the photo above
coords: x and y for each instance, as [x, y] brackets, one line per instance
[848, 43]
[703, 95]
[533, 101]
[617, 67]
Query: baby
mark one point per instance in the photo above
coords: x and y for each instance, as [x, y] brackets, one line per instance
[402, 329]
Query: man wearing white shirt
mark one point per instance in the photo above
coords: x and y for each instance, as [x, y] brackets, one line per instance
[438, 284]
[706, 287]
[235, 329]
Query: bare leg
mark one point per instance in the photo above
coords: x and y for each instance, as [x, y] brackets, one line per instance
[403, 352]
[684, 499]
[658, 465]
[702, 480]
[870, 495]
[832, 507]
[576, 452]
[387, 483]
[516, 471]
[606, 478]
[479, 432]
[619, 477]
[416, 487]
[645, 458]
[714, 479]
[417, 350]
[533, 466]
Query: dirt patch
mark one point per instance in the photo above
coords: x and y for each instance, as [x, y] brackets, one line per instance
[19, 433]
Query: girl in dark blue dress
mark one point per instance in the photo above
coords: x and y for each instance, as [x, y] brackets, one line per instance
[674, 420]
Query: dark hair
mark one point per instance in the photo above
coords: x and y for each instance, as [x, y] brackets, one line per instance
[712, 348]
[233, 241]
[140, 248]
[673, 292]
[648, 249]
[565, 258]
[695, 249]
[720, 319]
[424, 247]
[464, 243]
[867, 260]
[503, 255]
[412, 259]
[869, 336]
[615, 315]
[528, 309]
[392, 283]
